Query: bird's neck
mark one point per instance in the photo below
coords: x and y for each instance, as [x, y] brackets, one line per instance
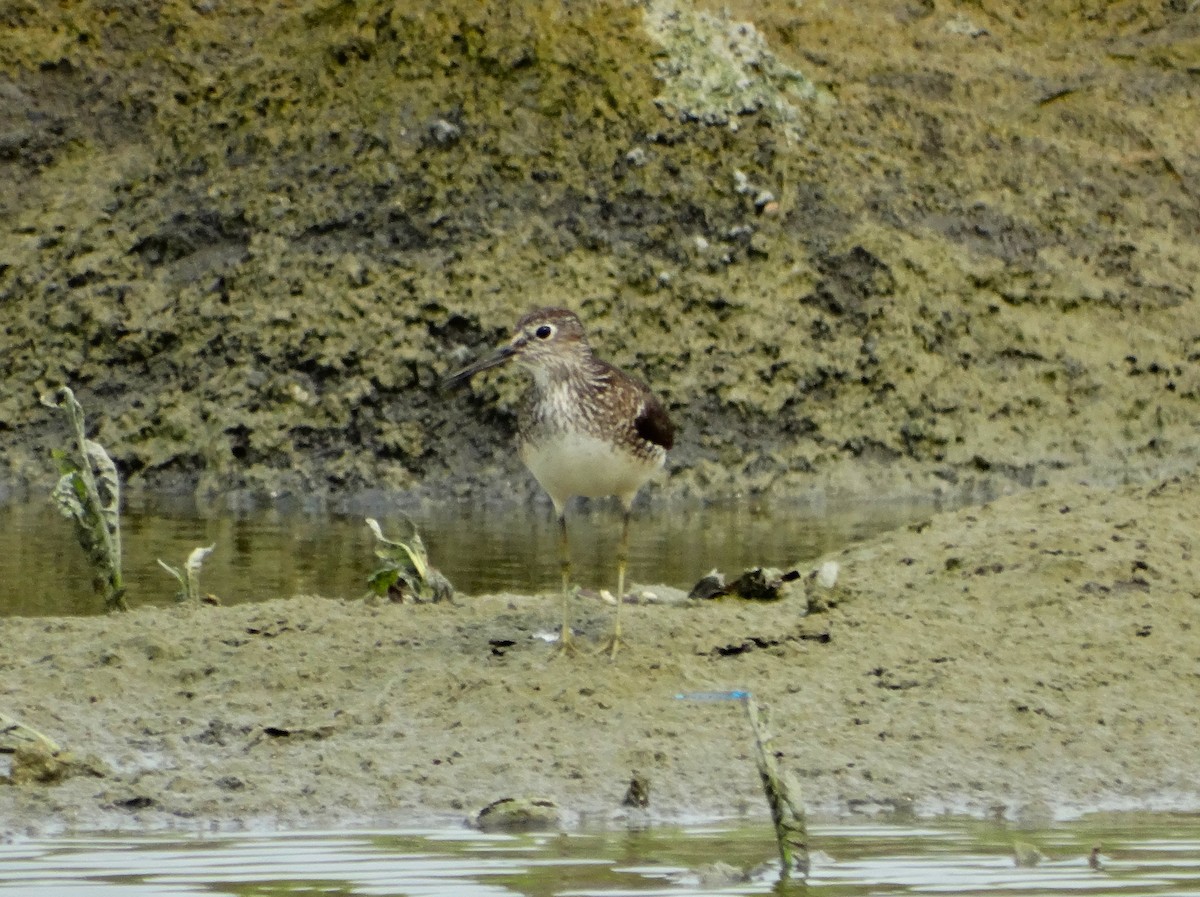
[568, 374]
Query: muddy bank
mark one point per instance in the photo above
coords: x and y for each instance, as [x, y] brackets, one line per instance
[1032, 656]
[904, 248]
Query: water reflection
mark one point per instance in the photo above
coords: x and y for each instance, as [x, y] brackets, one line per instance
[1148, 855]
[268, 555]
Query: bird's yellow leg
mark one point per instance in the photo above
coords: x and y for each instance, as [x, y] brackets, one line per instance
[613, 643]
[566, 642]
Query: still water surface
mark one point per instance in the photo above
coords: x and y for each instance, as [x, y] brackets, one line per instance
[272, 555]
[1142, 855]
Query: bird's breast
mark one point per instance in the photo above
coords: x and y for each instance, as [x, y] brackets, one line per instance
[571, 462]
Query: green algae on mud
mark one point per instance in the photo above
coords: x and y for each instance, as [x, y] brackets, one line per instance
[254, 237]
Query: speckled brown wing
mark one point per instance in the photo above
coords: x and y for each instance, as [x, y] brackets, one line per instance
[646, 418]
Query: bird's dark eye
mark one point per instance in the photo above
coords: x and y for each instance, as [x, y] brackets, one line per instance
[544, 331]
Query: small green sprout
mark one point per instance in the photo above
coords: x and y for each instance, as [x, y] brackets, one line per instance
[189, 576]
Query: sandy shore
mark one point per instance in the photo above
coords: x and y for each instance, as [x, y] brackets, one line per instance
[1033, 656]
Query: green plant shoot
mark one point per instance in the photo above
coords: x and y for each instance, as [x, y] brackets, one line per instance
[89, 494]
[189, 576]
[406, 574]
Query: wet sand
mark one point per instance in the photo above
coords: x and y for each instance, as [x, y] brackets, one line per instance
[939, 251]
[1035, 656]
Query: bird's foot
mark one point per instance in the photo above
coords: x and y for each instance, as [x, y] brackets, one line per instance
[566, 643]
[611, 645]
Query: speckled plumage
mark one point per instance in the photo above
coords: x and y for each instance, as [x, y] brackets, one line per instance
[586, 428]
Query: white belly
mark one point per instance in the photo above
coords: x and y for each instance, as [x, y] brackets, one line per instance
[578, 464]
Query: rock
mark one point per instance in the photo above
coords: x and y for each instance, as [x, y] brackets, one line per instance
[1026, 855]
[37, 764]
[820, 586]
[710, 586]
[765, 584]
[518, 814]
[720, 875]
[638, 794]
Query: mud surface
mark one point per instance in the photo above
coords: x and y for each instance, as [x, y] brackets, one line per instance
[891, 246]
[1032, 657]
[884, 248]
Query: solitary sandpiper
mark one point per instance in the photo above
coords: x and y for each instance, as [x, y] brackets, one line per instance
[587, 428]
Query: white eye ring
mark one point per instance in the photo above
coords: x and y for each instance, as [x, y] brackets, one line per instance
[544, 332]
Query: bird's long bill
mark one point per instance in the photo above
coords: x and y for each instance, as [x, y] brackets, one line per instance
[497, 358]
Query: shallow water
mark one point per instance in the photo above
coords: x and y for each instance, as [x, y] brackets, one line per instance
[271, 555]
[1157, 855]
